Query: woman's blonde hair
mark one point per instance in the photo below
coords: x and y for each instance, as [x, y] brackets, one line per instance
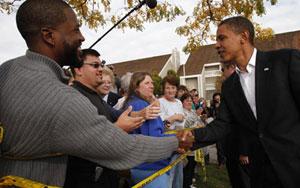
[108, 71]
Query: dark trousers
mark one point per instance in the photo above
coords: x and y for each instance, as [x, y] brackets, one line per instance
[237, 175]
[220, 152]
[188, 172]
[262, 174]
[82, 173]
[108, 179]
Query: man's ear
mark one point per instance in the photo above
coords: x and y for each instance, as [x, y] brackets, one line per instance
[48, 35]
[244, 37]
[78, 71]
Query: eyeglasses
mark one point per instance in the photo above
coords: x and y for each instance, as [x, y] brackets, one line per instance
[95, 65]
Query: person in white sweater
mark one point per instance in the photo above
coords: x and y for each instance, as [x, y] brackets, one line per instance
[171, 107]
[173, 117]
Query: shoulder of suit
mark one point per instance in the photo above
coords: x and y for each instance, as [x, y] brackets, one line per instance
[279, 52]
[113, 95]
[230, 79]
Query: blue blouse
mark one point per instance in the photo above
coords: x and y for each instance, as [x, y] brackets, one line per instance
[154, 127]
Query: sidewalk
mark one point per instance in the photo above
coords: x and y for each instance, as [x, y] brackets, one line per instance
[212, 150]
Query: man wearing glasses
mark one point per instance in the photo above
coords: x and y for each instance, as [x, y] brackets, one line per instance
[87, 77]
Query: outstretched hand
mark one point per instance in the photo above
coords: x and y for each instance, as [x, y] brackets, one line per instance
[176, 117]
[244, 160]
[186, 140]
[152, 111]
[128, 123]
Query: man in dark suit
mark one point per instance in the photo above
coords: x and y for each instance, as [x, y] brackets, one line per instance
[261, 102]
[237, 173]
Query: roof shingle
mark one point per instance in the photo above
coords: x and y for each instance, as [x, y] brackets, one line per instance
[150, 65]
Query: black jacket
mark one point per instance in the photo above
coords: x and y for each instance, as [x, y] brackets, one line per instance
[276, 131]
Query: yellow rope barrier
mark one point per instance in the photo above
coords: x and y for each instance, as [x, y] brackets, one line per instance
[200, 158]
[21, 183]
[175, 131]
[1, 133]
[160, 172]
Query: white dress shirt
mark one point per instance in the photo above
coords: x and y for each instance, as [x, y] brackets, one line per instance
[247, 79]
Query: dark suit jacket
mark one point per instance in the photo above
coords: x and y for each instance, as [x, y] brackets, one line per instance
[276, 131]
[112, 98]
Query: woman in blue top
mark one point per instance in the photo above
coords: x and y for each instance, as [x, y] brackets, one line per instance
[140, 95]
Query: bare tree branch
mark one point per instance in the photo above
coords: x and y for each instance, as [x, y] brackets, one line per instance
[210, 11]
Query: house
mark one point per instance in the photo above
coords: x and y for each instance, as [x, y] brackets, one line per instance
[203, 67]
[158, 64]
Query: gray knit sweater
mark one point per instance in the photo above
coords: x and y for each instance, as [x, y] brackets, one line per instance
[41, 116]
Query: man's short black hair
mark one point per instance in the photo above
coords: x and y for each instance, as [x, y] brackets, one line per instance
[216, 94]
[84, 53]
[239, 24]
[35, 14]
[89, 51]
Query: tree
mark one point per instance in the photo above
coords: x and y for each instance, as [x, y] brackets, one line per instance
[157, 80]
[206, 14]
[218, 83]
[173, 73]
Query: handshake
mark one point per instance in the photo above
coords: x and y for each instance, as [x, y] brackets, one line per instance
[185, 139]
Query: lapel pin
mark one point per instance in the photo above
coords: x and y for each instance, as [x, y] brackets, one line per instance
[266, 69]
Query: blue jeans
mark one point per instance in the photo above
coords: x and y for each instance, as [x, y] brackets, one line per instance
[176, 174]
[162, 181]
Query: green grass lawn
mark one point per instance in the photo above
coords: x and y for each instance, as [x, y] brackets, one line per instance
[216, 178]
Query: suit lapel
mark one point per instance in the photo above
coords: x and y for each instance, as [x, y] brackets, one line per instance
[241, 100]
[263, 72]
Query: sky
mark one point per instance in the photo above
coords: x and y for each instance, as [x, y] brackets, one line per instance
[156, 38]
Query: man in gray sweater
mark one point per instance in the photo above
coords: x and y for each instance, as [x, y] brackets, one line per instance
[44, 119]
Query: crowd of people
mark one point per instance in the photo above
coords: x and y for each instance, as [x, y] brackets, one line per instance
[97, 130]
[178, 108]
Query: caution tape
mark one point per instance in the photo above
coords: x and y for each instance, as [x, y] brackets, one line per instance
[175, 131]
[199, 158]
[1, 138]
[21, 183]
[175, 162]
[160, 172]
[1, 133]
